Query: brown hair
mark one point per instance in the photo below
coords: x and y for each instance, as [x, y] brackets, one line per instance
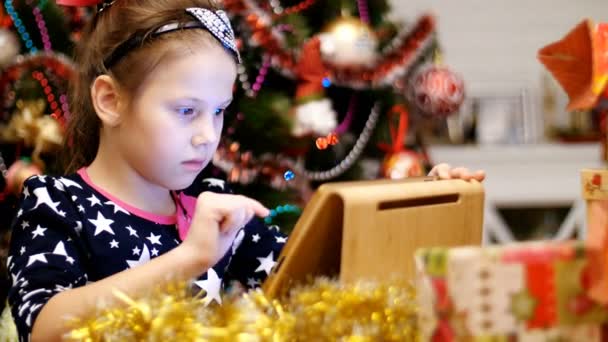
[108, 30]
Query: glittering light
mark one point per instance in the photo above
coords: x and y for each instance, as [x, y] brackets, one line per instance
[259, 80]
[44, 33]
[282, 209]
[25, 36]
[289, 175]
[361, 311]
[326, 82]
[363, 11]
[321, 143]
[50, 97]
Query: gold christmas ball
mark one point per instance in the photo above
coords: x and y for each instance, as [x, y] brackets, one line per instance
[349, 42]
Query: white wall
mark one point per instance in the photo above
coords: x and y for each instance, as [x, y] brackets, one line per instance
[493, 43]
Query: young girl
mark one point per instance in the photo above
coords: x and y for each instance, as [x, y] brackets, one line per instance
[155, 77]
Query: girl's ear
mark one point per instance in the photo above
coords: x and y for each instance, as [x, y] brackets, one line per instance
[106, 98]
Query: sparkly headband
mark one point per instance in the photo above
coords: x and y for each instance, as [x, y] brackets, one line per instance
[216, 22]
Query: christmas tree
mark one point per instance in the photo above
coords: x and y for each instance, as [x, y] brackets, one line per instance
[326, 92]
[36, 41]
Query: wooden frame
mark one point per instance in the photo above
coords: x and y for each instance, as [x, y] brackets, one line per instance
[371, 229]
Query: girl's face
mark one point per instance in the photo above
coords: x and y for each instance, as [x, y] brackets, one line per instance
[177, 117]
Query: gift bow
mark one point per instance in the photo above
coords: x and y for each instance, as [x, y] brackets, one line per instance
[579, 62]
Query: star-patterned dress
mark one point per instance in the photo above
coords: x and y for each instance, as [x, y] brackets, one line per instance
[69, 232]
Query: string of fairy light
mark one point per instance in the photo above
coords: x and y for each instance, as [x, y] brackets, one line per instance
[321, 142]
[58, 104]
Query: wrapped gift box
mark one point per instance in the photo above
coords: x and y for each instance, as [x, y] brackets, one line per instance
[519, 292]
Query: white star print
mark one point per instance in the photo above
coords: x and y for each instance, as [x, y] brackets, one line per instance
[74, 198]
[215, 182]
[94, 200]
[136, 250]
[61, 213]
[42, 178]
[58, 185]
[60, 249]
[60, 288]
[25, 224]
[16, 277]
[102, 224]
[24, 307]
[43, 197]
[81, 208]
[117, 208]
[113, 244]
[132, 232]
[154, 251]
[69, 183]
[38, 232]
[26, 192]
[70, 260]
[238, 240]
[20, 212]
[252, 282]
[266, 264]
[143, 258]
[211, 286]
[255, 238]
[36, 257]
[281, 239]
[154, 239]
[22, 250]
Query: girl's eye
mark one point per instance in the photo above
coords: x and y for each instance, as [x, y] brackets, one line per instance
[220, 111]
[186, 111]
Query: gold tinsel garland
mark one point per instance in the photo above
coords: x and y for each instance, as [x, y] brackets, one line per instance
[323, 311]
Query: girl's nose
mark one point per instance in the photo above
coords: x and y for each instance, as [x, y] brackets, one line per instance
[205, 131]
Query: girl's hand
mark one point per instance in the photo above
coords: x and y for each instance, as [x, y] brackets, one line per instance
[445, 171]
[217, 219]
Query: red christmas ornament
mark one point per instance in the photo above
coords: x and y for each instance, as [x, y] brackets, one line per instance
[402, 164]
[322, 143]
[399, 162]
[437, 91]
[332, 139]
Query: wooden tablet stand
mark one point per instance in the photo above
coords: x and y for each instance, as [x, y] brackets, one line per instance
[371, 229]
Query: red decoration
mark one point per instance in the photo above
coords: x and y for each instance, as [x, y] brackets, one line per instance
[322, 143]
[54, 69]
[79, 3]
[332, 139]
[391, 64]
[310, 70]
[438, 91]
[579, 63]
[297, 8]
[597, 180]
[399, 162]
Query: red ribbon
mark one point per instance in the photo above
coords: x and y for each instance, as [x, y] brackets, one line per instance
[397, 134]
[79, 3]
[310, 69]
